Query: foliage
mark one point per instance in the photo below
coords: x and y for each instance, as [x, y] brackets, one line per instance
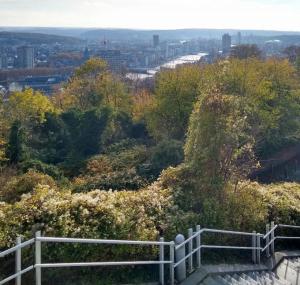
[71, 137]
[16, 149]
[93, 86]
[23, 184]
[175, 93]
[269, 95]
[292, 53]
[117, 170]
[118, 128]
[246, 51]
[229, 113]
[218, 148]
[3, 131]
[97, 214]
[43, 168]
[28, 105]
[164, 154]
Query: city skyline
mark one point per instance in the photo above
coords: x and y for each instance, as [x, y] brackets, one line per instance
[140, 14]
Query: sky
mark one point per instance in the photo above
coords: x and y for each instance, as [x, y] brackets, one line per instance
[283, 15]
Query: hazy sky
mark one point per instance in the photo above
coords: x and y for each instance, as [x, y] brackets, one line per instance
[153, 14]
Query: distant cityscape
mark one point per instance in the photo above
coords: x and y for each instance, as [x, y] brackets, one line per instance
[27, 61]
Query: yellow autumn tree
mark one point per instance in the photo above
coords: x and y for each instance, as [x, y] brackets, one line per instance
[28, 105]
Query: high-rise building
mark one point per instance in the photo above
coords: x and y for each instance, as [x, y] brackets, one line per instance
[25, 57]
[114, 59]
[239, 38]
[86, 54]
[155, 40]
[226, 43]
[3, 61]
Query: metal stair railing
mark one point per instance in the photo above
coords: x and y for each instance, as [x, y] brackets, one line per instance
[270, 237]
[38, 265]
[181, 252]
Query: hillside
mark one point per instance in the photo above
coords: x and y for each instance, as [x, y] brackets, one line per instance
[127, 34]
[11, 38]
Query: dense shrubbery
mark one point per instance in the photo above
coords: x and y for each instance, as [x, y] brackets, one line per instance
[96, 214]
[209, 126]
[24, 184]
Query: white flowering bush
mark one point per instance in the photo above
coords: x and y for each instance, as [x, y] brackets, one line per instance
[96, 214]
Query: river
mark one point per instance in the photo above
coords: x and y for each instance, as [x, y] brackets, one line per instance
[170, 64]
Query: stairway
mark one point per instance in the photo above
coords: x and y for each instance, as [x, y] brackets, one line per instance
[289, 269]
[252, 278]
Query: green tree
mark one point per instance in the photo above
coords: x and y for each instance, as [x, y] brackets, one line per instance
[28, 106]
[15, 151]
[218, 147]
[270, 96]
[93, 86]
[246, 51]
[298, 63]
[175, 93]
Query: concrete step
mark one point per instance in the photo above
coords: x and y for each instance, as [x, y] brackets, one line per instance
[289, 270]
[252, 278]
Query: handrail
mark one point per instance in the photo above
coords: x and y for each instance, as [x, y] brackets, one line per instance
[289, 226]
[188, 239]
[269, 243]
[100, 241]
[12, 277]
[96, 264]
[215, 231]
[15, 248]
[285, 237]
[230, 232]
[270, 231]
[38, 265]
[256, 249]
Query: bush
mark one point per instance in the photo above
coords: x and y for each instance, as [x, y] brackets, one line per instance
[116, 170]
[166, 153]
[24, 184]
[41, 167]
[97, 214]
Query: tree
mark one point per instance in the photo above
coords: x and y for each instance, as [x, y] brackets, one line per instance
[28, 106]
[246, 51]
[16, 145]
[3, 132]
[268, 90]
[93, 86]
[292, 53]
[175, 93]
[218, 147]
[298, 63]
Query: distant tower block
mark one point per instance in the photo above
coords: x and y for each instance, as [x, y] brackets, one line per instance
[239, 38]
[25, 57]
[226, 44]
[155, 40]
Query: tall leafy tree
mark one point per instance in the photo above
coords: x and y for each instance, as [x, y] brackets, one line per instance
[176, 91]
[93, 85]
[16, 144]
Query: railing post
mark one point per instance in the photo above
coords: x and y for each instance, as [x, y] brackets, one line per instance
[172, 260]
[161, 265]
[180, 254]
[18, 261]
[254, 245]
[258, 248]
[38, 259]
[267, 240]
[198, 244]
[272, 238]
[190, 250]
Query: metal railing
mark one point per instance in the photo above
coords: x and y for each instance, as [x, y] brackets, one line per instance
[183, 252]
[184, 256]
[38, 264]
